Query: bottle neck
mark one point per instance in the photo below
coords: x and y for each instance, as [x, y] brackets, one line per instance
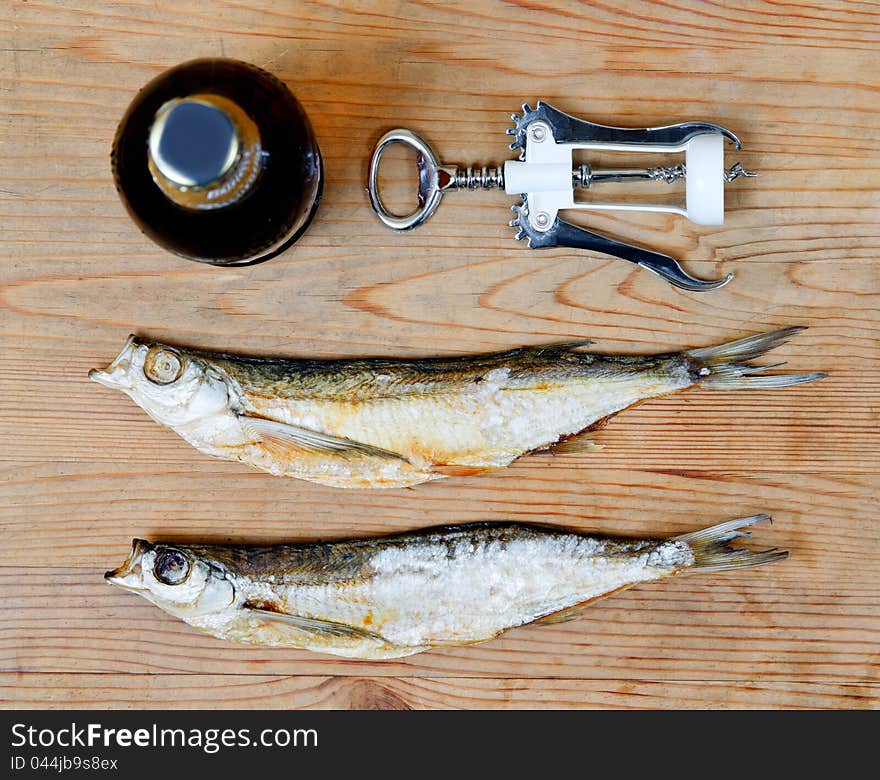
[204, 151]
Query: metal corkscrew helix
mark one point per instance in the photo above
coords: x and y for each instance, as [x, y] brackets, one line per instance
[546, 179]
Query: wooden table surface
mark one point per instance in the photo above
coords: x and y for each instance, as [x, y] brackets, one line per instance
[84, 470]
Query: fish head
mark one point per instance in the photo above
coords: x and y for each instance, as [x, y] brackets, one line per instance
[172, 385]
[174, 578]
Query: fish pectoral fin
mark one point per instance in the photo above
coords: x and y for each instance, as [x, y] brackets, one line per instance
[327, 628]
[285, 437]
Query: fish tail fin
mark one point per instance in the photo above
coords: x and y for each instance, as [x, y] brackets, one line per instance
[727, 366]
[713, 553]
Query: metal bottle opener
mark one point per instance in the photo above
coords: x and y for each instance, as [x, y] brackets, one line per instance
[546, 179]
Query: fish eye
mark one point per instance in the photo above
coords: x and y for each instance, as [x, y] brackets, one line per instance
[162, 366]
[171, 567]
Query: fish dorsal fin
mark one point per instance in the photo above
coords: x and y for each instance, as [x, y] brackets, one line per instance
[328, 628]
[285, 437]
[560, 346]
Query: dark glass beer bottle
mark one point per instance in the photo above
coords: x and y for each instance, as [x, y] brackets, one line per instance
[216, 161]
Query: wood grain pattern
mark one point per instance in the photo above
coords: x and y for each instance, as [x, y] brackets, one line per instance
[187, 691]
[82, 470]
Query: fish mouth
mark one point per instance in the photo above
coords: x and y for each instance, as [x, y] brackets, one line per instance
[120, 581]
[115, 375]
[128, 575]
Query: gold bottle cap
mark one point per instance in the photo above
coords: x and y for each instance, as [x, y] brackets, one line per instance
[204, 151]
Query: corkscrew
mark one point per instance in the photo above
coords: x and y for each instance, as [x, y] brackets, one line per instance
[546, 179]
